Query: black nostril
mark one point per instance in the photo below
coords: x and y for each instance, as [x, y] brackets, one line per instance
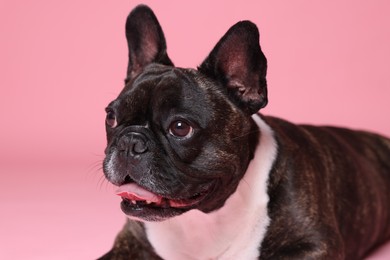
[139, 147]
[132, 144]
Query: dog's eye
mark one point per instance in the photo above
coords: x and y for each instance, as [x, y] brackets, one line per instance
[180, 129]
[111, 119]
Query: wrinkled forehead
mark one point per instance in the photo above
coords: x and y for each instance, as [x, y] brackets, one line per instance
[167, 90]
[165, 85]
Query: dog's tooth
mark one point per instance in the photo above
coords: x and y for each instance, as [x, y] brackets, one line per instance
[148, 202]
[134, 202]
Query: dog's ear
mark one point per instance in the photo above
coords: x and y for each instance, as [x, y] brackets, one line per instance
[239, 64]
[145, 40]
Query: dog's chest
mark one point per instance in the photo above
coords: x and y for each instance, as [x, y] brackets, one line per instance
[233, 232]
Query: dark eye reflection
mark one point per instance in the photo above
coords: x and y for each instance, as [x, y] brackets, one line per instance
[180, 129]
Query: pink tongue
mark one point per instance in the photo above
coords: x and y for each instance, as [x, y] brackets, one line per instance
[133, 191]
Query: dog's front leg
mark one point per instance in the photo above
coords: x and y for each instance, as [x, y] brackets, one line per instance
[131, 243]
[304, 252]
[304, 241]
[305, 248]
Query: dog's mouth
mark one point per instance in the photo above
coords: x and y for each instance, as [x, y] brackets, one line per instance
[144, 204]
[138, 196]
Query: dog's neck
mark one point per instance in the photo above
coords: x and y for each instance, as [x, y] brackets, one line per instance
[233, 232]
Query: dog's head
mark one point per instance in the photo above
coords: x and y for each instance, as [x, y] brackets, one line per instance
[180, 139]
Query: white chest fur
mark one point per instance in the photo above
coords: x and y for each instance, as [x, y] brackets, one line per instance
[233, 232]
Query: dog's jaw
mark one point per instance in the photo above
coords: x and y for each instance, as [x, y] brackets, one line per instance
[214, 235]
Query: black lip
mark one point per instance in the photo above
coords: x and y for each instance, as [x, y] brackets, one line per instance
[153, 212]
[150, 212]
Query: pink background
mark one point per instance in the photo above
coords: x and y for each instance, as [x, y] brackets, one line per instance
[61, 62]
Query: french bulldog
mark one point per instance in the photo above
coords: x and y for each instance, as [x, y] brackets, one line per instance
[203, 175]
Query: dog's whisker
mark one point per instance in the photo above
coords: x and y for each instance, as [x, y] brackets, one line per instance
[95, 166]
[103, 181]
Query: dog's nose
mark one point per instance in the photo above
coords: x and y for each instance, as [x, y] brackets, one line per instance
[132, 144]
